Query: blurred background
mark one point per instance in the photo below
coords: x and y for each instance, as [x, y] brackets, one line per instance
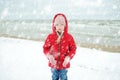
[93, 23]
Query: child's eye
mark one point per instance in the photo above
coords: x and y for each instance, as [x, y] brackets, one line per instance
[56, 25]
[61, 24]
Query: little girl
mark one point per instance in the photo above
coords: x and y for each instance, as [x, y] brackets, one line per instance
[59, 48]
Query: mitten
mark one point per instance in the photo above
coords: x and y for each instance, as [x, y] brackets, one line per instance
[51, 59]
[66, 61]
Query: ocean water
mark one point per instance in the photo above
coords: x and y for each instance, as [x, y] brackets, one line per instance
[104, 32]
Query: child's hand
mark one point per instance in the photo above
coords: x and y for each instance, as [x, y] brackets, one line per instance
[52, 60]
[66, 61]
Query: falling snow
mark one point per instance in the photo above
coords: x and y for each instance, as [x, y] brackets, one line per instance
[90, 22]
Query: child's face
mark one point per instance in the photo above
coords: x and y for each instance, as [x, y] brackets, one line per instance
[59, 27]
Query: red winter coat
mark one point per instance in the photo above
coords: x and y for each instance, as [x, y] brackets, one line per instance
[66, 47]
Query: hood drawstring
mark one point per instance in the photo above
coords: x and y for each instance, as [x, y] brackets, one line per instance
[59, 36]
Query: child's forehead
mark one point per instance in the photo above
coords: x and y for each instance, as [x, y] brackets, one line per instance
[59, 17]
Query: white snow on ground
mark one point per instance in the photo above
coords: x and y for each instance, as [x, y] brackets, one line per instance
[24, 60]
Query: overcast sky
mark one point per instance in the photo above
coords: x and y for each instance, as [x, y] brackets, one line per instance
[73, 9]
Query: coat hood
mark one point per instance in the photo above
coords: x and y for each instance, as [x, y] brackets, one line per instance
[66, 25]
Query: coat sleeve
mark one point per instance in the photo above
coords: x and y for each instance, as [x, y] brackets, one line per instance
[47, 45]
[72, 48]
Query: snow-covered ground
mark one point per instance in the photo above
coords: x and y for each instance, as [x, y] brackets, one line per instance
[24, 60]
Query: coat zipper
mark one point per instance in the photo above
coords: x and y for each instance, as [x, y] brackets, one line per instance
[58, 56]
[59, 49]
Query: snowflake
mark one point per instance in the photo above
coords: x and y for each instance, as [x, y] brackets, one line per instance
[114, 7]
[34, 11]
[4, 13]
[119, 32]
